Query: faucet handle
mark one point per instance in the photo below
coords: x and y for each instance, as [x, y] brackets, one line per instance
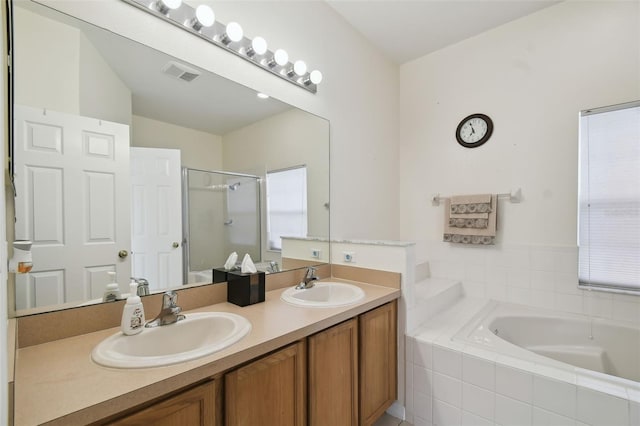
[311, 272]
[169, 299]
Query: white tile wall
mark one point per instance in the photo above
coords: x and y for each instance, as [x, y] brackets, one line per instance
[531, 275]
[451, 387]
[556, 396]
[445, 414]
[596, 408]
[469, 419]
[515, 383]
[634, 413]
[447, 361]
[447, 389]
[479, 372]
[478, 401]
[510, 412]
[547, 418]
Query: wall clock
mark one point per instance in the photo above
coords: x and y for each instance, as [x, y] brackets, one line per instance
[474, 130]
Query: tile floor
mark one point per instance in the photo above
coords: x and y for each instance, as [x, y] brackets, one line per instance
[387, 420]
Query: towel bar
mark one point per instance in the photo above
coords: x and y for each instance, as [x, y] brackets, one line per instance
[514, 196]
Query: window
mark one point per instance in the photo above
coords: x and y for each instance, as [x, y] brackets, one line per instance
[609, 198]
[286, 205]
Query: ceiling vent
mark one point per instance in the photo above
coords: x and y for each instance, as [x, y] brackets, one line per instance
[180, 71]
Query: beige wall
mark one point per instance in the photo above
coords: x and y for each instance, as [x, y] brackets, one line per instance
[102, 93]
[57, 68]
[56, 49]
[532, 77]
[292, 138]
[358, 94]
[199, 150]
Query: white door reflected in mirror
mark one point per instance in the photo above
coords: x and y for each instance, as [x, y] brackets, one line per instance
[156, 217]
[72, 202]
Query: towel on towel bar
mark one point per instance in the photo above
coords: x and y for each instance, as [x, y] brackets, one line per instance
[471, 219]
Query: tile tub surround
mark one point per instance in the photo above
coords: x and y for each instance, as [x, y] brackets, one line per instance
[452, 383]
[539, 276]
[57, 381]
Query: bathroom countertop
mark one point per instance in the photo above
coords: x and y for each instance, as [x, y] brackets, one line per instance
[58, 383]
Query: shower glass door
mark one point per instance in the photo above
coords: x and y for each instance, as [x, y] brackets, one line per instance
[222, 212]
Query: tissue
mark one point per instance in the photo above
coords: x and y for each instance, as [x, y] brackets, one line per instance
[231, 261]
[247, 266]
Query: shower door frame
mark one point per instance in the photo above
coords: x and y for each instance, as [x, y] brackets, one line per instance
[185, 212]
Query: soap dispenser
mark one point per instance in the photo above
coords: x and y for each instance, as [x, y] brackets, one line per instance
[133, 313]
[112, 292]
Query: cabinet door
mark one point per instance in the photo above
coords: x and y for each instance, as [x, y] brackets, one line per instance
[378, 362]
[196, 406]
[333, 376]
[270, 391]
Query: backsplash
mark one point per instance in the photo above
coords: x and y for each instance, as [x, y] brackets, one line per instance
[541, 276]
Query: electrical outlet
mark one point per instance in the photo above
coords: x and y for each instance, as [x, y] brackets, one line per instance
[349, 256]
[315, 253]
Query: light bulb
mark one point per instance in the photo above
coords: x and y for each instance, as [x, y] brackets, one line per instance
[204, 17]
[164, 6]
[300, 68]
[259, 45]
[315, 77]
[234, 31]
[262, 95]
[281, 57]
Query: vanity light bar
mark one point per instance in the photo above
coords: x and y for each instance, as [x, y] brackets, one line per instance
[201, 22]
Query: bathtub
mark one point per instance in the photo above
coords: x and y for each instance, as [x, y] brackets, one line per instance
[484, 362]
[572, 342]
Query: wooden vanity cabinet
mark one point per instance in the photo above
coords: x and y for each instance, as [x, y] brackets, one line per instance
[333, 376]
[195, 407]
[350, 369]
[378, 373]
[353, 369]
[271, 391]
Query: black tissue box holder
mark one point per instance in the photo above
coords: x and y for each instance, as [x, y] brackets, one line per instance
[220, 275]
[245, 289]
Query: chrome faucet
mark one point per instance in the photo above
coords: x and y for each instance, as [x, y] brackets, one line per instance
[170, 312]
[308, 280]
[143, 286]
[273, 266]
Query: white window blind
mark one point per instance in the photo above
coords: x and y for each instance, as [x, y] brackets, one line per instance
[286, 205]
[609, 198]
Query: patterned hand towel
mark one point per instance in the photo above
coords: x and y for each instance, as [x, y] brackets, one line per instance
[471, 219]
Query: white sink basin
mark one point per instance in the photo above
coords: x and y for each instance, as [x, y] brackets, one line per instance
[199, 334]
[324, 294]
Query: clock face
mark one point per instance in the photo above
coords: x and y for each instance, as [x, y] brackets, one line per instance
[474, 130]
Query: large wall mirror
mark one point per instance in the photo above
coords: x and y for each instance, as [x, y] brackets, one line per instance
[132, 163]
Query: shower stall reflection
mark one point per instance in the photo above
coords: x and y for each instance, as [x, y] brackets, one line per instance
[221, 212]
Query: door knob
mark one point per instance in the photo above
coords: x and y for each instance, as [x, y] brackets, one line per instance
[122, 254]
[175, 244]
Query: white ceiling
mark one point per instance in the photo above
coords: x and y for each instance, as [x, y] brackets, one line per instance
[405, 30]
[209, 103]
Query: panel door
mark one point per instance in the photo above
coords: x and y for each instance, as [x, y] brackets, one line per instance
[156, 216]
[270, 391]
[333, 376]
[194, 407]
[72, 185]
[378, 361]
